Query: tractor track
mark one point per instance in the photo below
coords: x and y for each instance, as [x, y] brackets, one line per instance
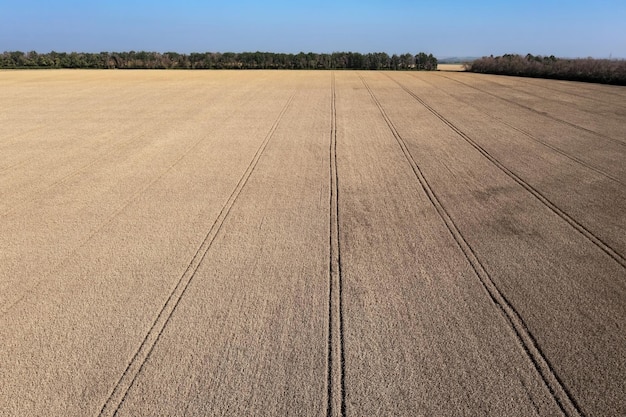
[4, 309]
[133, 368]
[558, 390]
[115, 147]
[336, 401]
[520, 89]
[597, 100]
[46, 126]
[10, 141]
[7, 306]
[111, 147]
[534, 138]
[606, 248]
[540, 113]
[17, 164]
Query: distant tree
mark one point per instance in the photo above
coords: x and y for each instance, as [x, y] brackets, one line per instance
[18, 59]
[395, 62]
[588, 69]
[425, 62]
[215, 60]
[407, 61]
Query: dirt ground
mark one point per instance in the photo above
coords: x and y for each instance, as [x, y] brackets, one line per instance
[191, 243]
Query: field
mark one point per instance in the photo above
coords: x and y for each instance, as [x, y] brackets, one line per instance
[451, 67]
[311, 243]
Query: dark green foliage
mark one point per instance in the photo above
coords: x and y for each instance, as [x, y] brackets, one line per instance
[216, 60]
[603, 71]
[425, 62]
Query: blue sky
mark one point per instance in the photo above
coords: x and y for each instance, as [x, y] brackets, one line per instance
[445, 28]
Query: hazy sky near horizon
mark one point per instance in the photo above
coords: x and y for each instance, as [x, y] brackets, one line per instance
[445, 28]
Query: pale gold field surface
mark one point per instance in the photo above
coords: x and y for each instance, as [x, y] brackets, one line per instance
[451, 67]
[177, 243]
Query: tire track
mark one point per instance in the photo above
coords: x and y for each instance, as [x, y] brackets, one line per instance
[555, 149]
[7, 306]
[549, 116]
[17, 164]
[113, 147]
[4, 309]
[558, 390]
[529, 135]
[336, 400]
[120, 391]
[606, 248]
[10, 141]
[588, 97]
[77, 116]
[523, 80]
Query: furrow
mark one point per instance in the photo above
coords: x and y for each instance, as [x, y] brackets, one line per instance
[136, 364]
[616, 256]
[336, 356]
[549, 116]
[559, 392]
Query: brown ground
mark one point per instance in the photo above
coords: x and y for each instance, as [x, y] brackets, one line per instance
[311, 243]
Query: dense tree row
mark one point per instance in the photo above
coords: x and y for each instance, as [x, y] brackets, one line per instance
[214, 60]
[604, 71]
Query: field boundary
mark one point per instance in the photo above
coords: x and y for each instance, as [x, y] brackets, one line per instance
[559, 392]
[616, 256]
[119, 393]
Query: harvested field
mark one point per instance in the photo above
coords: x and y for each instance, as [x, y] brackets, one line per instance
[311, 243]
[451, 67]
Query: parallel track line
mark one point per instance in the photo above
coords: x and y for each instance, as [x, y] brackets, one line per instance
[560, 393]
[336, 404]
[524, 80]
[4, 309]
[7, 306]
[605, 247]
[112, 145]
[533, 138]
[139, 359]
[549, 116]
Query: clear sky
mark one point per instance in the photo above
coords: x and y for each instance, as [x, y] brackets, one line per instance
[444, 28]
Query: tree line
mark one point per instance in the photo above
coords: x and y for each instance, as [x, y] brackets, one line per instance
[217, 60]
[605, 71]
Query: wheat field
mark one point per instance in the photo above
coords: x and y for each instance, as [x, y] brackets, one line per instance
[192, 243]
